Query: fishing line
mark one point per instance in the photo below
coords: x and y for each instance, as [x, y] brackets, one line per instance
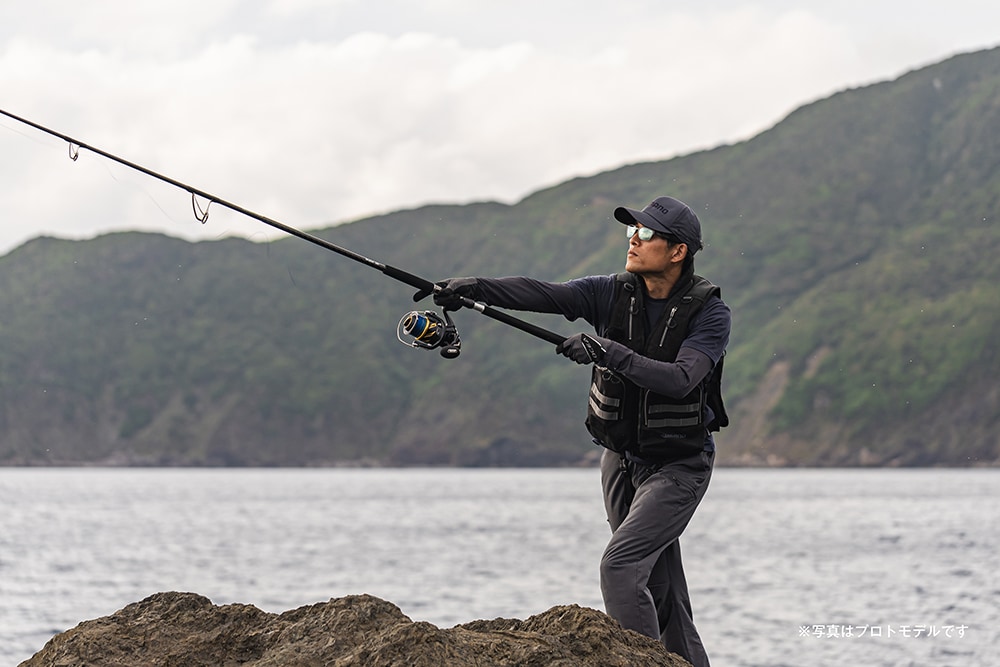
[26, 136]
[144, 191]
[427, 329]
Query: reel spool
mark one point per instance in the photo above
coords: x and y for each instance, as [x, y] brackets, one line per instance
[429, 331]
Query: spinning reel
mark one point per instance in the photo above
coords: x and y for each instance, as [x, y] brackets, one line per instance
[430, 331]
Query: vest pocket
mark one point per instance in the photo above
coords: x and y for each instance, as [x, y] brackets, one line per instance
[670, 428]
[606, 411]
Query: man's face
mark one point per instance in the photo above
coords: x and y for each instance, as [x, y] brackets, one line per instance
[651, 257]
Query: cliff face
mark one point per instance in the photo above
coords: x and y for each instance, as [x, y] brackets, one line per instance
[173, 629]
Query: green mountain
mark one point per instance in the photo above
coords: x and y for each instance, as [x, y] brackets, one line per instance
[855, 241]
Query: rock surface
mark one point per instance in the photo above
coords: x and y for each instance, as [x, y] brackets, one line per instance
[187, 630]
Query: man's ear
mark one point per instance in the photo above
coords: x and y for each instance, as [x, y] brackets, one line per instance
[678, 252]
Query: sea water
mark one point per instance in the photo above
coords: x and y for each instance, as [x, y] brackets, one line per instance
[785, 567]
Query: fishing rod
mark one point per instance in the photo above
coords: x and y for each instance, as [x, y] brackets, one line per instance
[428, 330]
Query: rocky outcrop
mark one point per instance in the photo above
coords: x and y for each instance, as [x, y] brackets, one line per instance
[187, 630]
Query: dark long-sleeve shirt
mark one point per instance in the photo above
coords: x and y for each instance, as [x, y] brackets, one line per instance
[592, 298]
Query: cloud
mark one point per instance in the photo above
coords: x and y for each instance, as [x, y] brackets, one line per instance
[313, 130]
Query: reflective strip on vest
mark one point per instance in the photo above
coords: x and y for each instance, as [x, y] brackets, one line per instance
[673, 422]
[603, 414]
[605, 400]
[599, 401]
[660, 409]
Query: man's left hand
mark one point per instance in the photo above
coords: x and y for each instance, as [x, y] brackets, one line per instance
[584, 348]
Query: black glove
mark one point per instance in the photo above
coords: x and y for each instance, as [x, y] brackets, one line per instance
[584, 348]
[449, 293]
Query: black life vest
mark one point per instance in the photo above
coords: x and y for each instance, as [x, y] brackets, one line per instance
[627, 418]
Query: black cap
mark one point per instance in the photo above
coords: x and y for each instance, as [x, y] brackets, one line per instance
[668, 216]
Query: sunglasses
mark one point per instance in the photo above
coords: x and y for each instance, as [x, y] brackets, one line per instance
[645, 233]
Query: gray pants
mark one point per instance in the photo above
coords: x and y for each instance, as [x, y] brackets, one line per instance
[642, 577]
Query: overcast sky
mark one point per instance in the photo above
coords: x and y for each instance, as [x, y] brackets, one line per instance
[315, 112]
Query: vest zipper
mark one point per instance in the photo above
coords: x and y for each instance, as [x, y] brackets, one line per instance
[631, 315]
[670, 319]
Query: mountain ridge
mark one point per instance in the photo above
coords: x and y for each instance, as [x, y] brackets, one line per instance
[852, 240]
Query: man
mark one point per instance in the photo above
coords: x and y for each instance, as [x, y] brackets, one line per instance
[662, 332]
